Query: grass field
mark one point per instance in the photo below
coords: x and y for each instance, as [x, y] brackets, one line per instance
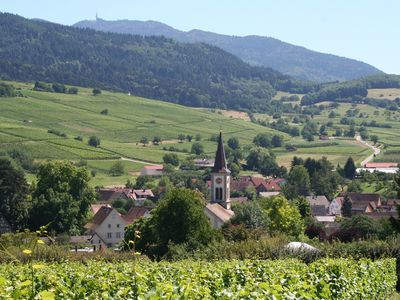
[25, 121]
[390, 94]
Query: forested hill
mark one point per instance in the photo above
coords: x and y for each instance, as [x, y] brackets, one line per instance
[256, 50]
[153, 67]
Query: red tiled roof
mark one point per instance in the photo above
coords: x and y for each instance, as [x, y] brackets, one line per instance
[95, 207]
[136, 212]
[155, 167]
[381, 165]
[99, 217]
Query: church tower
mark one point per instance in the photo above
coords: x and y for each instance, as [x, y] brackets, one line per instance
[221, 178]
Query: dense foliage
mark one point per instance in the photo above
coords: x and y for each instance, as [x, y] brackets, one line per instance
[153, 67]
[281, 279]
[263, 51]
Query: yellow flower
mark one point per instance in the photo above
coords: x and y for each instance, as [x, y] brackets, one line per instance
[27, 251]
[138, 253]
[40, 242]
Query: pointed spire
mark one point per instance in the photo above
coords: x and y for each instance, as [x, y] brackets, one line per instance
[220, 165]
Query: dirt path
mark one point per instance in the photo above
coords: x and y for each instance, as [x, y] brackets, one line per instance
[139, 161]
[375, 149]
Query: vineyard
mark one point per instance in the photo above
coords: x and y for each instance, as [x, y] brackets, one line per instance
[251, 279]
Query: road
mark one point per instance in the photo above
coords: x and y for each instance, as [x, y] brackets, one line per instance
[375, 149]
[139, 161]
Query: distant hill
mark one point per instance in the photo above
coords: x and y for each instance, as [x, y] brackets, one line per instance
[154, 67]
[262, 51]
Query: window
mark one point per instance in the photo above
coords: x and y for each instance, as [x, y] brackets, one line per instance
[118, 235]
[218, 193]
[109, 235]
[117, 225]
[109, 225]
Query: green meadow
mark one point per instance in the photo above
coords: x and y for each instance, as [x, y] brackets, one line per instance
[25, 121]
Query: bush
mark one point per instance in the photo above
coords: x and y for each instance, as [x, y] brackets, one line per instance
[94, 141]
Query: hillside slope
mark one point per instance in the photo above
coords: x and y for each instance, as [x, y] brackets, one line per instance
[152, 67]
[263, 51]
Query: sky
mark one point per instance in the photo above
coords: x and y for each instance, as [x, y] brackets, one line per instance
[366, 30]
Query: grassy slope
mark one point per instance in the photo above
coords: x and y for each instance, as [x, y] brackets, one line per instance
[129, 119]
[120, 131]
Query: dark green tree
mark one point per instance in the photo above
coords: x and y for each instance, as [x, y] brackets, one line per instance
[14, 194]
[262, 140]
[251, 215]
[347, 207]
[298, 183]
[96, 92]
[349, 168]
[234, 143]
[171, 158]
[117, 168]
[181, 137]
[197, 148]
[277, 141]
[61, 198]
[144, 140]
[94, 141]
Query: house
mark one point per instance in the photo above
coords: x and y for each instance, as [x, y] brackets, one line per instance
[364, 202]
[5, 227]
[137, 212]
[203, 163]
[258, 183]
[95, 207]
[107, 195]
[153, 170]
[111, 194]
[380, 167]
[219, 209]
[107, 227]
[268, 194]
[335, 207]
[319, 205]
[141, 195]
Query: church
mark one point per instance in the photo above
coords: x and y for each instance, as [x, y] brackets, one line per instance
[219, 209]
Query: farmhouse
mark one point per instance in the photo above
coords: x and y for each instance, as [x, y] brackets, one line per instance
[380, 167]
[319, 205]
[364, 203]
[107, 195]
[137, 212]
[155, 170]
[335, 207]
[106, 228]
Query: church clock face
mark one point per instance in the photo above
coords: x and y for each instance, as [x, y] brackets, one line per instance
[218, 180]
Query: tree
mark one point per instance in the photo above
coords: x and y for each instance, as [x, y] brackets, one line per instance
[142, 180]
[283, 216]
[104, 111]
[144, 140]
[250, 214]
[197, 148]
[262, 140]
[178, 219]
[261, 159]
[234, 143]
[349, 168]
[347, 207]
[117, 169]
[298, 183]
[14, 194]
[94, 141]
[156, 140]
[189, 138]
[61, 198]
[96, 92]
[358, 227]
[171, 158]
[198, 137]
[303, 206]
[181, 137]
[277, 141]
[354, 186]
[374, 138]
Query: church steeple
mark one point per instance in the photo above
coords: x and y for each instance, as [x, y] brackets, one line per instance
[220, 165]
[221, 177]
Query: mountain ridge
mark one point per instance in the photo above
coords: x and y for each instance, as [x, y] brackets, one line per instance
[289, 59]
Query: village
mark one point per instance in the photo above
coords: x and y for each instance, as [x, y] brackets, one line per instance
[107, 227]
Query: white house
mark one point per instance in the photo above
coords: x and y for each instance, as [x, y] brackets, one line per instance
[154, 170]
[107, 227]
[335, 207]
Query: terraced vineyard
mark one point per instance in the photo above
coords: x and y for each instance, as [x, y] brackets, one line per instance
[280, 279]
